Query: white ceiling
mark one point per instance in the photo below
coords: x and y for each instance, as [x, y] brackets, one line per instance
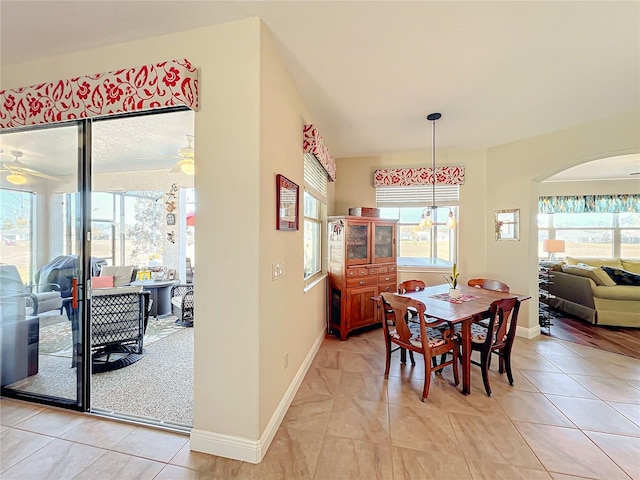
[371, 71]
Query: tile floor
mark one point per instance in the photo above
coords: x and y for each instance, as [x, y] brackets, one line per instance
[574, 413]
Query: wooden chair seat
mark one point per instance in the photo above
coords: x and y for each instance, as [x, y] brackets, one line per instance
[435, 337]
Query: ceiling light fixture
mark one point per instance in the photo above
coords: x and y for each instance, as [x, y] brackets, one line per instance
[428, 214]
[188, 166]
[16, 179]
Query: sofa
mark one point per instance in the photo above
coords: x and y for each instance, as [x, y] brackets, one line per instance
[601, 291]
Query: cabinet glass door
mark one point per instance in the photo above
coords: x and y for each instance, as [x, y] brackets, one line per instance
[358, 243]
[384, 247]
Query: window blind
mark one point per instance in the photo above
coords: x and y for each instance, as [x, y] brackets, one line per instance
[417, 196]
[315, 177]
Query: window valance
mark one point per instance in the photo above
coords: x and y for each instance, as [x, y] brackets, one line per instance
[312, 143]
[165, 84]
[589, 204]
[404, 177]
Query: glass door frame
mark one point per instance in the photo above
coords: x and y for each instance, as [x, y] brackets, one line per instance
[82, 400]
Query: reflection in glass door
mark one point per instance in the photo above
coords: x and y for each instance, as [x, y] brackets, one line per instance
[41, 272]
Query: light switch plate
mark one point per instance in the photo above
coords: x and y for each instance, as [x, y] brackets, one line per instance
[277, 270]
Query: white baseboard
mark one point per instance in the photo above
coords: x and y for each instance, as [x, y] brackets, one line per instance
[244, 449]
[528, 333]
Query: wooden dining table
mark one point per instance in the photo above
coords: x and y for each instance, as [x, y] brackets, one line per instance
[463, 313]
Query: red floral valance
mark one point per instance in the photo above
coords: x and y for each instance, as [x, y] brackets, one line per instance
[164, 84]
[404, 177]
[312, 143]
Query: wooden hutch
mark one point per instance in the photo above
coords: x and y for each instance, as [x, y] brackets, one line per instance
[362, 264]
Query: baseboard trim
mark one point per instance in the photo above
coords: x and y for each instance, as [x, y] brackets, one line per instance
[528, 333]
[253, 451]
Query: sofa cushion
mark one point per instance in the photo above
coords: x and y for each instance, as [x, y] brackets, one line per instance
[121, 274]
[622, 277]
[597, 274]
[631, 265]
[102, 282]
[555, 265]
[595, 261]
[115, 290]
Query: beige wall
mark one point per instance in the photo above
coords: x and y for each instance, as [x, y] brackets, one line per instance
[503, 177]
[248, 129]
[354, 188]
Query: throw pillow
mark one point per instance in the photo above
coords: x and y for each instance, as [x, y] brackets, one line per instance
[622, 277]
[101, 282]
[631, 265]
[589, 272]
[555, 265]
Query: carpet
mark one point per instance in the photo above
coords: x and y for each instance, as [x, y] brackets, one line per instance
[55, 339]
[159, 387]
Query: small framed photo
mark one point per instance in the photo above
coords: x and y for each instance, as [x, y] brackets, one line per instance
[287, 200]
[171, 219]
[508, 224]
[171, 274]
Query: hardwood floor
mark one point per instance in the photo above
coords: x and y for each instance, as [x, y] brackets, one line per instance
[625, 341]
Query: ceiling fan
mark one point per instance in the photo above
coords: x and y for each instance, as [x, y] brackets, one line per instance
[19, 172]
[186, 163]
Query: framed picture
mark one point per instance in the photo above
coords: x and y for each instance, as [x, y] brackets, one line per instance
[286, 204]
[171, 274]
[171, 219]
[508, 224]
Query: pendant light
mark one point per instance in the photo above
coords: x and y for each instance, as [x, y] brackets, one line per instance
[428, 214]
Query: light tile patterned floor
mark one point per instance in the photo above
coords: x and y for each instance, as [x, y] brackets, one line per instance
[573, 413]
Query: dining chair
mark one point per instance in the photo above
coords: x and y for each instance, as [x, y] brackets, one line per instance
[496, 338]
[412, 335]
[489, 284]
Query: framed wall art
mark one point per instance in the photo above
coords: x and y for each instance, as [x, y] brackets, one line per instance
[508, 224]
[287, 196]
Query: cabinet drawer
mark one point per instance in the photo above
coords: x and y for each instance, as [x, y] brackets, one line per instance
[382, 270]
[387, 288]
[362, 281]
[388, 278]
[373, 271]
[357, 272]
[392, 268]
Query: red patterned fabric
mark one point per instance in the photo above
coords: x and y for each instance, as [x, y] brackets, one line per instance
[404, 177]
[164, 84]
[312, 143]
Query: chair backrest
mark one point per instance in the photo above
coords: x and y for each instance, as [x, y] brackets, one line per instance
[122, 274]
[400, 306]
[489, 284]
[411, 286]
[10, 280]
[503, 320]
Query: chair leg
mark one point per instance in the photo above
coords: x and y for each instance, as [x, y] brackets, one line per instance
[386, 370]
[507, 364]
[484, 362]
[455, 368]
[413, 360]
[403, 355]
[427, 378]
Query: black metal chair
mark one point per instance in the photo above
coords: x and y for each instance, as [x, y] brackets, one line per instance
[182, 303]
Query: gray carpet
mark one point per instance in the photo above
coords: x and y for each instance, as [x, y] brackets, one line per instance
[159, 386]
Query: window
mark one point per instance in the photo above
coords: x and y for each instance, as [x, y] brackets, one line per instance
[591, 225]
[315, 201]
[432, 247]
[16, 230]
[592, 234]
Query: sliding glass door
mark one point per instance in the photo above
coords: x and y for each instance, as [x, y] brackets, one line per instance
[42, 259]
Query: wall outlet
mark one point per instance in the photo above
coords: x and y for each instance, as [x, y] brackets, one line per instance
[277, 270]
[286, 360]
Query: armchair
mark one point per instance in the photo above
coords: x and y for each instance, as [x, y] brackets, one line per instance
[119, 319]
[182, 303]
[41, 298]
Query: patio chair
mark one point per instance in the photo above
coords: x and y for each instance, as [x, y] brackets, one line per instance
[41, 298]
[182, 303]
[119, 319]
